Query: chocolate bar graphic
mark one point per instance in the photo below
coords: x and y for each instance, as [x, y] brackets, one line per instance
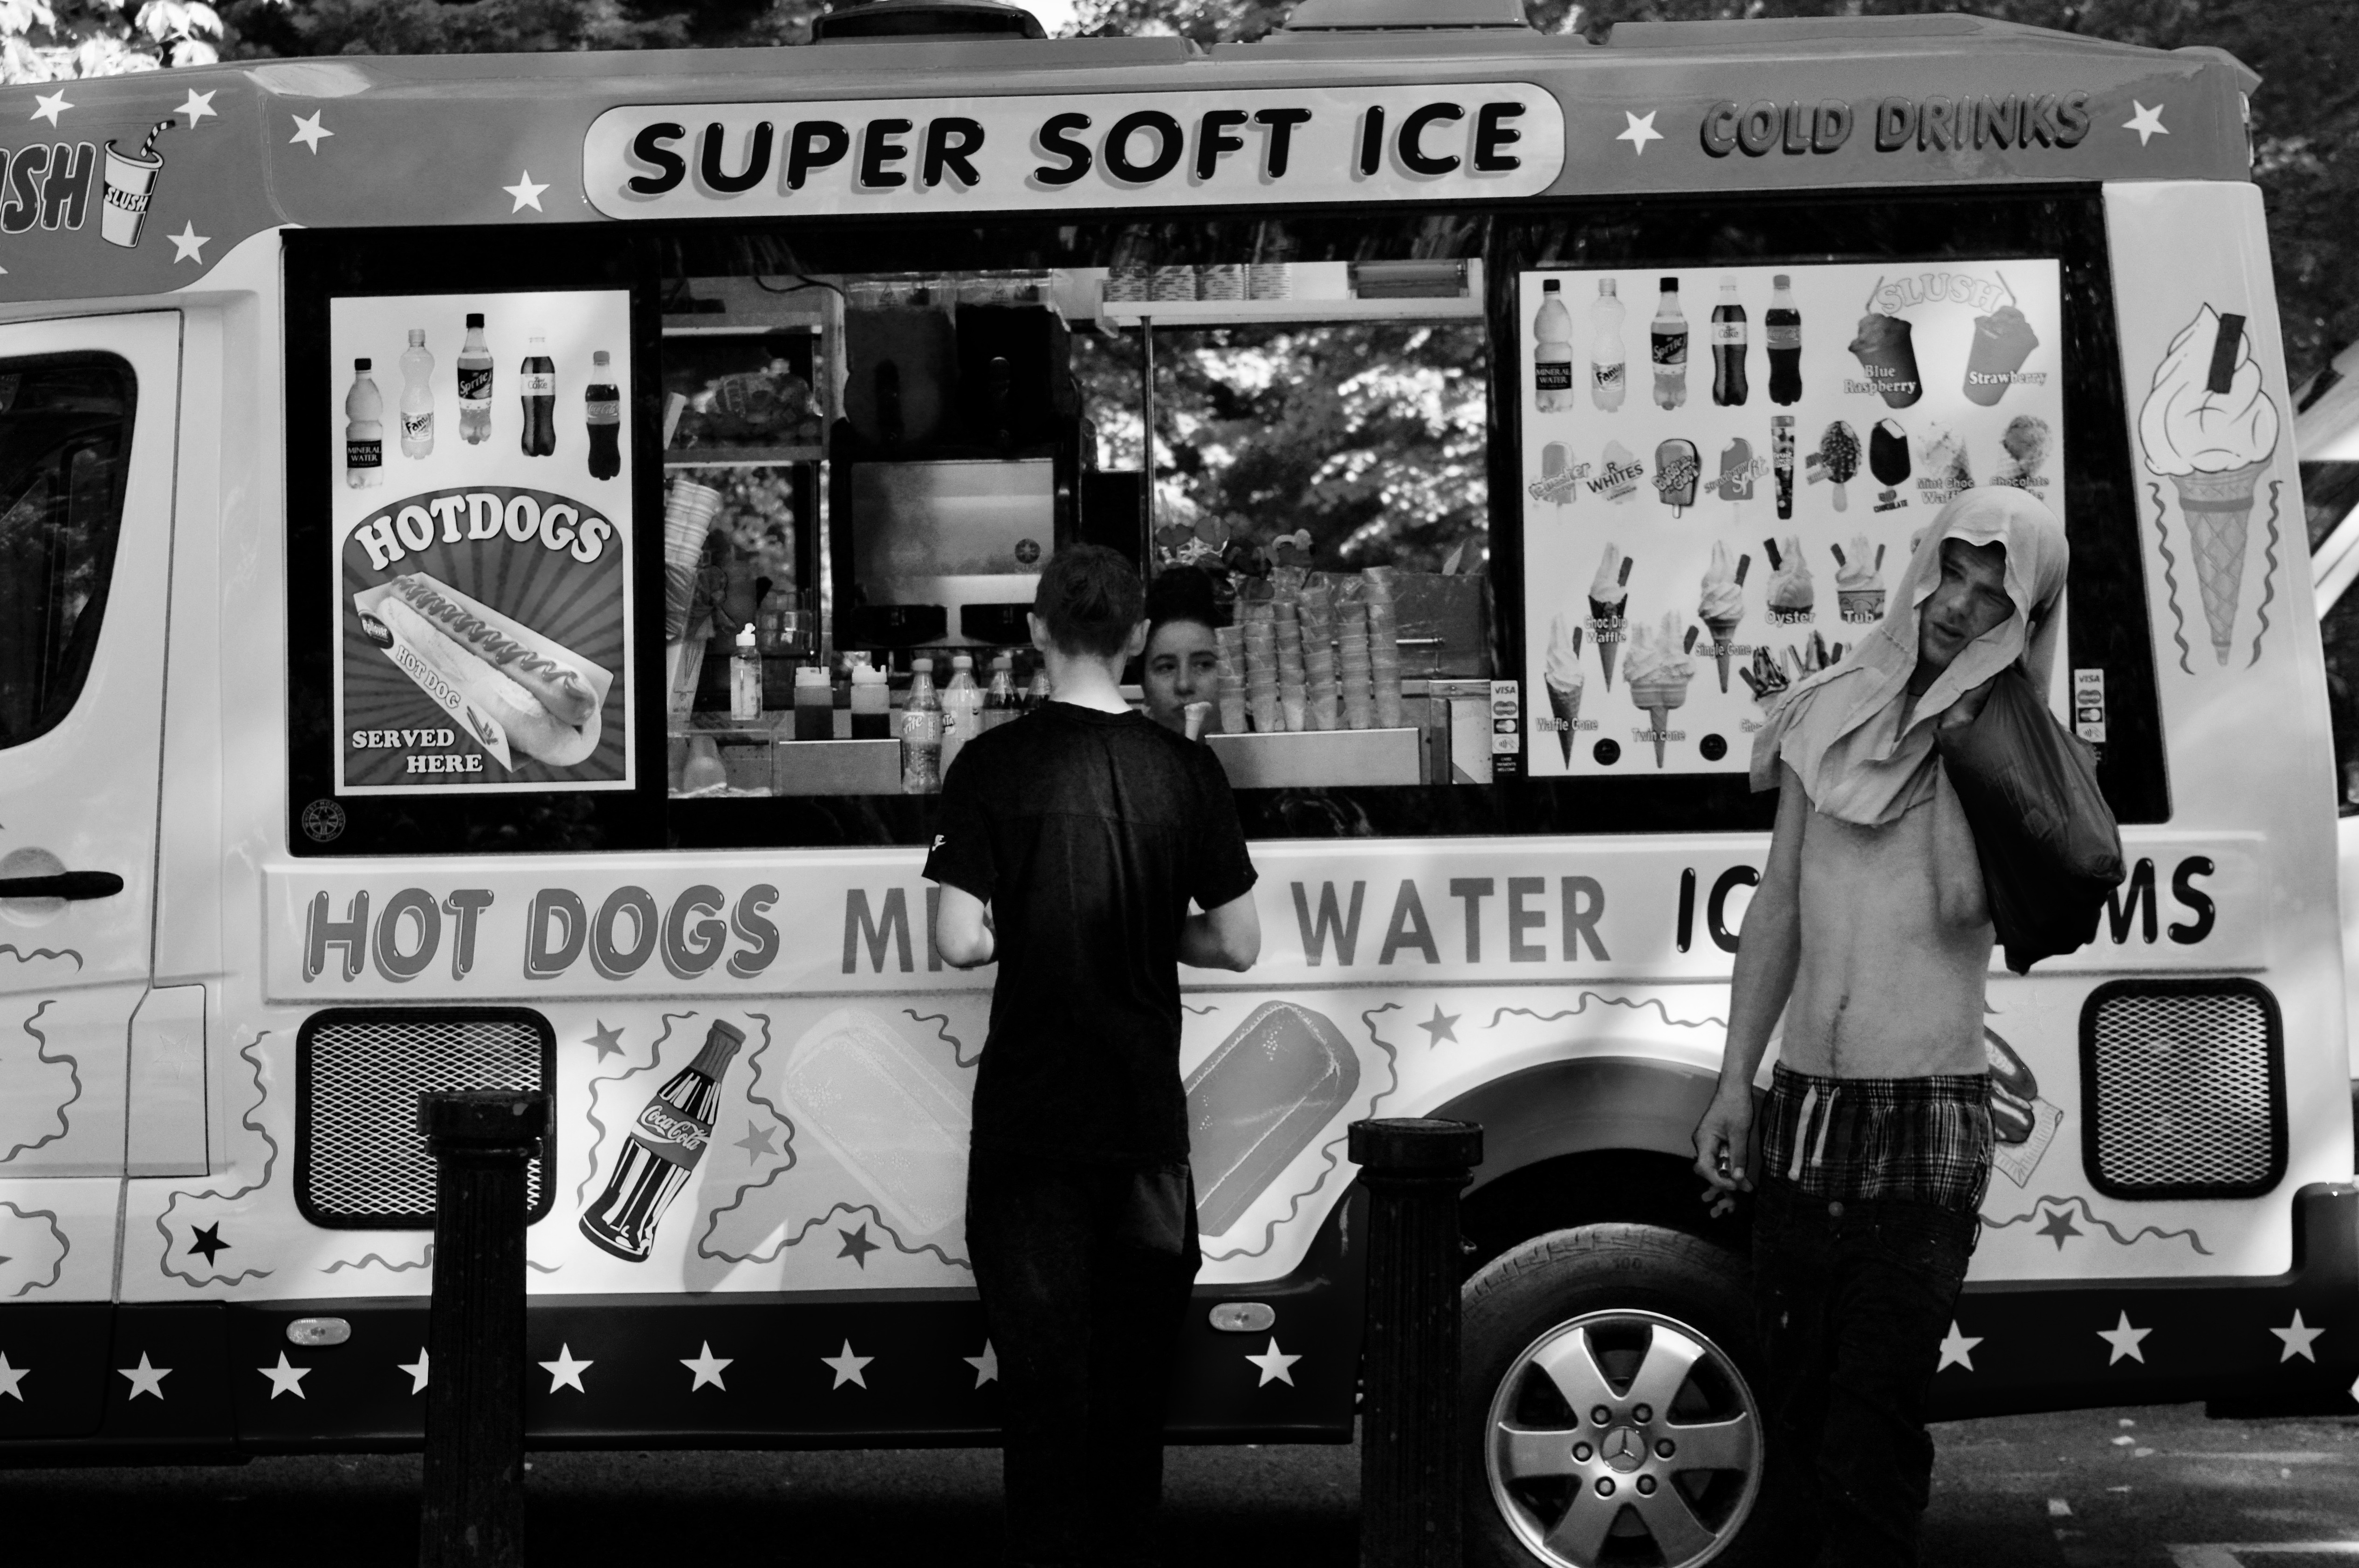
[1260, 1099]
[887, 1114]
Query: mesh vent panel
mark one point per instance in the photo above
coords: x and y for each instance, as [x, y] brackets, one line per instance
[362, 1160]
[2186, 1089]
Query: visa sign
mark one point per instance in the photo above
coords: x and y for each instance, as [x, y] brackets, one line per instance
[1474, 140]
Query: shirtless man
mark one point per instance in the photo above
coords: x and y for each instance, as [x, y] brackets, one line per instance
[1870, 935]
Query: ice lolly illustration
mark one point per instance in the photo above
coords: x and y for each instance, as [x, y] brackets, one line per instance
[1659, 673]
[1565, 680]
[1735, 482]
[1555, 463]
[1676, 467]
[1792, 590]
[1620, 480]
[1859, 581]
[2002, 341]
[1887, 459]
[1609, 593]
[1838, 459]
[888, 1112]
[1260, 1099]
[1781, 462]
[1722, 604]
[2208, 427]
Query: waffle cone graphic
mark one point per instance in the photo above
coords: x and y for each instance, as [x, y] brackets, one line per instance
[1724, 642]
[1606, 617]
[2219, 509]
[1566, 704]
[1658, 698]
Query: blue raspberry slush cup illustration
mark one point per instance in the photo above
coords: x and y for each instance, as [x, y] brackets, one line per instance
[2209, 428]
[662, 1152]
[130, 187]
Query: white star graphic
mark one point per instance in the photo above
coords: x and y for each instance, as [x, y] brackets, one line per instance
[51, 104]
[2124, 1340]
[2146, 123]
[987, 1366]
[146, 1379]
[10, 1377]
[1958, 1349]
[565, 1372]
[1640, 131]
[707, 1367]
[2298, 1339]
[309, 132]
[189, 245]
[416, 1370]
[846, 1367]
[525, 192]
[285, 1378]
[1275, 1363]
[199, 105]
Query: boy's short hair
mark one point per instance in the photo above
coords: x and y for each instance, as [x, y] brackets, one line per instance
[1091, 598]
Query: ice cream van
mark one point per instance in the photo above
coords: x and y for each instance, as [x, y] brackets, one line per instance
[472, 525]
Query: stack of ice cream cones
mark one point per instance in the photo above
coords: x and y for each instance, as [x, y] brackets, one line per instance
[1324, 708]
[1293, 694]
[1261, 667]
[1358, 676]
[689, 511]
[1230, 677]
[1383, 650]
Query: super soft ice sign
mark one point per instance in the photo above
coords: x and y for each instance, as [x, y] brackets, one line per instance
[1111, 149]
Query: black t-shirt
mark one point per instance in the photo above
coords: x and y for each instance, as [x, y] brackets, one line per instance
[1088, 833]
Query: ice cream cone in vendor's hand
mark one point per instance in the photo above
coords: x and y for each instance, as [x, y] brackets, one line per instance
[2209, 428]
[1565, 682]
[1723, 605]
[1659, 671]
[1609, 596]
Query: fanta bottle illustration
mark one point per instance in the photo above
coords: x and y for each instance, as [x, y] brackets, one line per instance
[602, 410]
[363, 431]
[536, 387]
[474, 383]
[1552, 354]
[1609, 361]
[416, 397]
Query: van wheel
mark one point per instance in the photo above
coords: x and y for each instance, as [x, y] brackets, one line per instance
[1606, 1395]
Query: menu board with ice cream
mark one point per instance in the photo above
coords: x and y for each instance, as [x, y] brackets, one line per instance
[1724, 468]
[481, 504]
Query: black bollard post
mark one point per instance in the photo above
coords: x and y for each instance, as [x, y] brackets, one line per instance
[474, 1511]
[1411, 1469]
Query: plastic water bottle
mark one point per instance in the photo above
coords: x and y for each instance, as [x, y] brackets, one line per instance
[962, 710]
[1037, 694]
[1728, 344]
[363, 431]
[602, 411]
[1781, 328]
[999, 698]
[474, 383]
[537, 386]
[1552, 352]
[416, 397]
[921, 732]
[1609, 363]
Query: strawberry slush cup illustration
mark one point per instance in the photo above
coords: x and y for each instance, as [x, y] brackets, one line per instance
[2208, 429]
[130, 186]
[662, 1150]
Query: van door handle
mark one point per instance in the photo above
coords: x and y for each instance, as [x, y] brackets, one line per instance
[64, 885]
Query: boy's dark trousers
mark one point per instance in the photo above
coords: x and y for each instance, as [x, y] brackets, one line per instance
[1084, 1272]
[1852, 1302]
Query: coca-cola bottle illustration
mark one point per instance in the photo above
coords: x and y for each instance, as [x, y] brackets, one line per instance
[602, 409]
[662, 1149]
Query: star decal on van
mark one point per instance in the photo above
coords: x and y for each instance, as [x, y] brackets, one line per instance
[1641, 131]
[308, 131]
[2146, 123]
[527, 192]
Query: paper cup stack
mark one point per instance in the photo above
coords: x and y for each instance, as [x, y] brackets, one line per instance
[1261, 667]
[1231, 643]
[689, 512]
[1384, 649]
[1324, 709]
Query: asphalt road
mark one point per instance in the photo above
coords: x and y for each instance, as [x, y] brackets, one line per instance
[2160, 1487]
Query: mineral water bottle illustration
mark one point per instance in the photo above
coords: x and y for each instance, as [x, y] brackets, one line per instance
[416, 397]
[1609, 364]
[1781, 331]
[1667, 342]
[1552, 354]
[1728, 345]
[474, 384]
[363, 431]
[602, 410]
[661, 1152]
[536, 389]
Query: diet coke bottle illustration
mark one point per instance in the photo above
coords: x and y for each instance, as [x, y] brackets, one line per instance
[474, 383]
[662, 1149]
[537, 386]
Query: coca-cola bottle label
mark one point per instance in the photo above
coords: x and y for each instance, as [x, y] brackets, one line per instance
[1552, 375]
[475, 385]
[1784, 337]
[673, 1135]
[363, 454]
[601, 412]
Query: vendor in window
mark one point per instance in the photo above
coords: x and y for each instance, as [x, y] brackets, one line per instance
[1182, 663]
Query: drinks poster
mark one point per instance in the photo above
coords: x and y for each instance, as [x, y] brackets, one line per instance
[1727, 468]
[482, 509]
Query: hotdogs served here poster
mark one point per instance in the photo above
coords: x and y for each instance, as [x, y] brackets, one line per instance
[482, 506]
[1696, 541]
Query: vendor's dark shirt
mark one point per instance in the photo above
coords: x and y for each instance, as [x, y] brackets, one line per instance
[1088, 833]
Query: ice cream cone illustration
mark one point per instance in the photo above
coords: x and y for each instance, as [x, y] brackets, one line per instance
[2209, 428]
[1793, 592]
[1565, 682]
[1659, 673]
[1609, 595]
[1722, 604]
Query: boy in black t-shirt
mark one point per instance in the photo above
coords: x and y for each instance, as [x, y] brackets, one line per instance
[1070, 844]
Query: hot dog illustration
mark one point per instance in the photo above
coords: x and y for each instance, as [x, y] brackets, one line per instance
[2012, 1091]
[511, 686]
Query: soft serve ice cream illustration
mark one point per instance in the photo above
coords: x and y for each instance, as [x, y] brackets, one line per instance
[2208, 427]
[1793, 594]
[1859, 582]
[1659, 671]
[1722, 604]
[1564, 679]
